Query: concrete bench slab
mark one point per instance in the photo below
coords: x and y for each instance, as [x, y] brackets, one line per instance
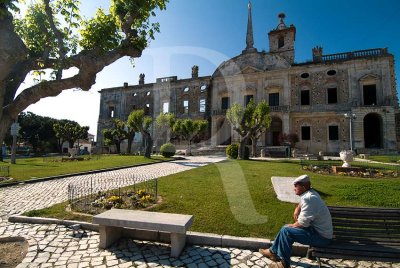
[115, 223]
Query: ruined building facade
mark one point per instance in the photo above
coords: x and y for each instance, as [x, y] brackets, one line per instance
[320, 100]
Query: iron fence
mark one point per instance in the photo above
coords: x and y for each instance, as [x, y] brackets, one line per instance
[100, 193]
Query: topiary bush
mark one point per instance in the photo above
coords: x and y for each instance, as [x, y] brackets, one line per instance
[232, 151]
[167, 149]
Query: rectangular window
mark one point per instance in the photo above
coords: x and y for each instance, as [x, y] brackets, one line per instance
[333, 133]
[225, 103]
[305, 97]
[273, 99]
[186, 106]
[247, 99]
[369, 92]
[111, 111]
[332, 95]
[305, 133]
[165, 107]
[147, 109]
[202, 106]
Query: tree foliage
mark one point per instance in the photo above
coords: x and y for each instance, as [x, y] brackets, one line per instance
[118, 133]
[137, 120]
[249, 122]
[71, 132]
[189, 129]
[164, 123]
[52, 36]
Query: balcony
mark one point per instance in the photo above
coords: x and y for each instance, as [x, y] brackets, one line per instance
[281, 108]
[355, 54]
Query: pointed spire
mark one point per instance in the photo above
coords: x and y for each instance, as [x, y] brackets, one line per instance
[249, 35]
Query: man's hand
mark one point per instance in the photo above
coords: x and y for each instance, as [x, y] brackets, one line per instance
[296, 212]
[295, 225]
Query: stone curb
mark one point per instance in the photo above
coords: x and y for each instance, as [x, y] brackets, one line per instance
[193, 238]
[81, 173]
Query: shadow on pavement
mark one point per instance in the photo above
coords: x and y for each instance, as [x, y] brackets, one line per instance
[141, 252]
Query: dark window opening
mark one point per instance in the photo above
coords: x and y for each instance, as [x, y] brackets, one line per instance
[369, 92]
[332, 95]
[273, 99]
[333, 133]
[305, 75]
[147, 109]
[281, 42]
[305, 133]
[225, 103]
[305, 97]
[247, 99]
[331, 72]
[111, 111]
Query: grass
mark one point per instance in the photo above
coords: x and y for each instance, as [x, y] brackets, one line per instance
[39, 167]
[237, 197]
[385, 158]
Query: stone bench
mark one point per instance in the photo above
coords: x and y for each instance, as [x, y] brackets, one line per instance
[116, 223]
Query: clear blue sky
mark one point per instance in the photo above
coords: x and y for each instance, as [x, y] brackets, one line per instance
[206, 32]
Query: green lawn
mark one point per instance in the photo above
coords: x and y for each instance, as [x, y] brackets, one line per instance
[237, 198]
[385, 158]
[39, 167]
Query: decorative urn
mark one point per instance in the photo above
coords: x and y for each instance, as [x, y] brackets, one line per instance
[346, 156]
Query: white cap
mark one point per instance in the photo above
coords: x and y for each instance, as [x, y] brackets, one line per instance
[301, 179]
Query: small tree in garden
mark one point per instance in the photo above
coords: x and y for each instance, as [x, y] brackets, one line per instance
[249, 123]
[137, 120]
[119, 133]
[164, 124]
[189, 129]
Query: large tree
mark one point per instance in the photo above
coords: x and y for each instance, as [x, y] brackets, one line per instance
[189, 129]
[249, 122]
[139, 121]
[38, 131]
[53, 37]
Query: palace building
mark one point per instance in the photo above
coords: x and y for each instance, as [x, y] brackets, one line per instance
[339, 101]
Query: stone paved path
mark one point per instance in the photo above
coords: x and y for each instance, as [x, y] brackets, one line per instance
[56, 246]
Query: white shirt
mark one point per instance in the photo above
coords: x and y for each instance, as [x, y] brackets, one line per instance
[315, 213]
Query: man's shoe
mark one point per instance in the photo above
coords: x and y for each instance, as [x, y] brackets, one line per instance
[270, 255]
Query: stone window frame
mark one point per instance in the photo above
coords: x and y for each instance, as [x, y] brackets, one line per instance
[301, 132]
[331, 86]
[274, 89]
[368, 80]
[202, 106]
[185, 107]
[328, 132]
[309, 96]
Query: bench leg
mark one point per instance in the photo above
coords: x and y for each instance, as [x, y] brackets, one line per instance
[178, 242]
[108, 235]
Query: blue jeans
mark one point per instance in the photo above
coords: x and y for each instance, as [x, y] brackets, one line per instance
[282, 245]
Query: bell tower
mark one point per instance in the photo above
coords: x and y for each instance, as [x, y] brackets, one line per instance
[281, 39]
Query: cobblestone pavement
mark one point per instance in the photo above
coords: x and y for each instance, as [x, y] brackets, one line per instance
[57, 246]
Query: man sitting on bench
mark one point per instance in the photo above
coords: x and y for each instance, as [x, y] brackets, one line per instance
[312, 226]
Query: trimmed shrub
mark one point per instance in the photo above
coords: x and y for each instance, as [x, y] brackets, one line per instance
[167, 150]
[232, 151]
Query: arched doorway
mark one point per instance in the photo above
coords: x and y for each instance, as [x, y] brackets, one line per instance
[373, 131]
[223, 132]
[275, 129]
